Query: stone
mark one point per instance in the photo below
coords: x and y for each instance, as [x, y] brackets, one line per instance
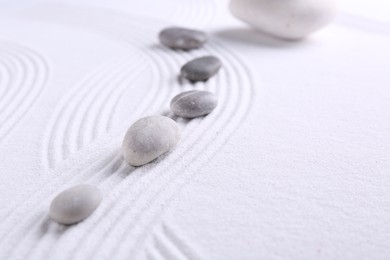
[75, 204]
[182, 38]
[148, 138]
[201, 69]
[292, 19]
[194, 103]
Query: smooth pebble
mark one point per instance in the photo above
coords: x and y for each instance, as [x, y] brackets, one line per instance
[201, 69]
[148, 138]
[194, 103]
[182, 38]
[292, 19]
[75, 204]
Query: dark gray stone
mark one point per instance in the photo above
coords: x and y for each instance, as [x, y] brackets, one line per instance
[181, 38]
[201, 69]
[195, 103]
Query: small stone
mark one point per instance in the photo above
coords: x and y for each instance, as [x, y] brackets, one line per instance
[75, 204]
[195, 103]
[182, 38]
[201, 69]
[148, 138]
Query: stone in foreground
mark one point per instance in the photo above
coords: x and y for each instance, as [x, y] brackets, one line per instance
[201, 69]
[195, 103]
[148, 138]
[75, 204]
[182, 38]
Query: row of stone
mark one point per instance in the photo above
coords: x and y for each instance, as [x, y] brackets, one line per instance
[152, 136]
[149, 137]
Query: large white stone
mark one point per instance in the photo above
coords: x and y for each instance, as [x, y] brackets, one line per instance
[289, 19]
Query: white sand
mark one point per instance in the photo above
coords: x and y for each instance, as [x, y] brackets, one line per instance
[292, 164]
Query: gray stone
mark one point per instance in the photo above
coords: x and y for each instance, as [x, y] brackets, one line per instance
[194, 103]
[182, 38]
[75, 204]
[148, 138]
[201, 69]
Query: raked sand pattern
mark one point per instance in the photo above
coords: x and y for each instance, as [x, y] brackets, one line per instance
[88, 111]
[23, 75]
[167, 243]
[296, 169]
[82, 143]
